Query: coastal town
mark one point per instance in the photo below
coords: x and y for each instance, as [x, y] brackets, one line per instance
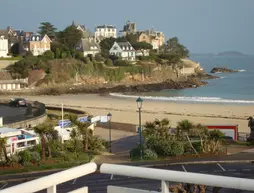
[74, 105]
[144, 50]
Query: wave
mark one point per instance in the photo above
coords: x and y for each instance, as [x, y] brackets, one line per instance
[186, 99]
[222, 77]
[242, 70]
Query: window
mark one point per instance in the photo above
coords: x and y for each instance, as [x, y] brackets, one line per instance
[37, 38]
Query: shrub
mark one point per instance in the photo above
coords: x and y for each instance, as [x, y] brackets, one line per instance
[25, 156]
[28, 164]
[135, 153]
[14, 159]
[122, 63]
[37, 148]
[177, 148]
[159, 145]
[109, 62]
[149, 154]
[49, 55]
[35, 157]
[197, 146]
[98, 58]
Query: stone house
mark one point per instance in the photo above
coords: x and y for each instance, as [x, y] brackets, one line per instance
[37, 44]
[123, 50]
[88, 46]
[155, 38]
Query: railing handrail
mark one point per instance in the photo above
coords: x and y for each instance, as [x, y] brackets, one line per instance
[178, 176]
[53, 179]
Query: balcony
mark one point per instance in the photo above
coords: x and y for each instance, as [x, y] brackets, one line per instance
[166, 177]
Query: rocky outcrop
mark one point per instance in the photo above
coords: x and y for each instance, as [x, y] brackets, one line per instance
[223, 70]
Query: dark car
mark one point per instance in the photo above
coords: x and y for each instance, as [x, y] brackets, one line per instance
[18, 102]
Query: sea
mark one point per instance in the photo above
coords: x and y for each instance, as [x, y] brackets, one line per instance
[229, 88]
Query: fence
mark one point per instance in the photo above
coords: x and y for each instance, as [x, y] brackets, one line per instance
[165, 176]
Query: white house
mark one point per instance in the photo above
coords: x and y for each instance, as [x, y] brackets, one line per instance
[88, 46]
[3, 47]
[105, 31]
[123, 50]
[18, 139]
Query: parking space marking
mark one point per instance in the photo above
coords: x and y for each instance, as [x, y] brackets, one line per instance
[4, 186]
[74, 181]
[246, 170]
[111, 177]
[221, 167]
[184, 169]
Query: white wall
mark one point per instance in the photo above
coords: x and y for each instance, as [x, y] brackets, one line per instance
[3, 47]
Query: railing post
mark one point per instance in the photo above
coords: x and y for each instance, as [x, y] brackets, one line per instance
[51, 189]
[164, 187]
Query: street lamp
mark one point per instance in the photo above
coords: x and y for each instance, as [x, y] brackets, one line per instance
[109, 124]
[139, 104]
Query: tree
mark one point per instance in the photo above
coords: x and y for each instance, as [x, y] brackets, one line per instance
[81, 131]
[159, 128]
[173, 46]
[47, 28]
[106, 45]
[46, 132]
[70, 36]
[3, 142]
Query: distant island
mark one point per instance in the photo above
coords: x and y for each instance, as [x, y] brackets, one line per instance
[231, 53]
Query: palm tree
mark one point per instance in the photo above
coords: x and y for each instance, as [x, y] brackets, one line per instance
[183, 129]
[82, 131]
[45, 130]
[158, 127]
[3, 142]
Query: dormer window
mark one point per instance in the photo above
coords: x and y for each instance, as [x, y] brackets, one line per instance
[38, 38]
[123, 48]
[33, 38]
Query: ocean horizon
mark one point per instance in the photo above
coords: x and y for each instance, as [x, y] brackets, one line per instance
[229, 88]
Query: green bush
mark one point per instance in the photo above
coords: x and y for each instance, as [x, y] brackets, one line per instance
[135, 153]
[35, 157]
[27, 164]
[25, 156]
[37, 148]
[149, 154]
[14, 159]
[122, 63]
[109, 62]
[159, 145]
[197, 146]
[98, 58]
[177, 148]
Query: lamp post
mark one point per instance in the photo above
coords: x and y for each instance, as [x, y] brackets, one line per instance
[139, 104]
[109, 124]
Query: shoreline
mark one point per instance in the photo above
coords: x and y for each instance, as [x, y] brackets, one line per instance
[125, 110]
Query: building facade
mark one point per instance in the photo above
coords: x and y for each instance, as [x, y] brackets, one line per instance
[155, 38]
[105, 31]
[88, 46]
[3, 47]
[123, 50]
[37, 44]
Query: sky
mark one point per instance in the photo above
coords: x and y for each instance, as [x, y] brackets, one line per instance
[203, 26]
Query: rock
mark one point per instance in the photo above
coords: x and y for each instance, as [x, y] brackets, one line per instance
[223, 70]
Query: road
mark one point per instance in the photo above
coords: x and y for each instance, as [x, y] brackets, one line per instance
[97, 182]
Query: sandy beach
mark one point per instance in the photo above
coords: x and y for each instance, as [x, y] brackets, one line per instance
[125, 109]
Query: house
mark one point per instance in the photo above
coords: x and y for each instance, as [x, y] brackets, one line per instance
[18, 139]
[105, 31]
[155, 38]
[123, 50]
[142, 53]
[88, 46]
[13, 84]
[129, 28]
[4, 48]
[37, 44]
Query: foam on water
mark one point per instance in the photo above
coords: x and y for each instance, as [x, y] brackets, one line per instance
[242, 70]
[186, 99]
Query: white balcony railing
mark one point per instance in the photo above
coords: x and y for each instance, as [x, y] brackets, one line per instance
[50, 182]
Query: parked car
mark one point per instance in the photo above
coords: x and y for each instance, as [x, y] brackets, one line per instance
[18, 102]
